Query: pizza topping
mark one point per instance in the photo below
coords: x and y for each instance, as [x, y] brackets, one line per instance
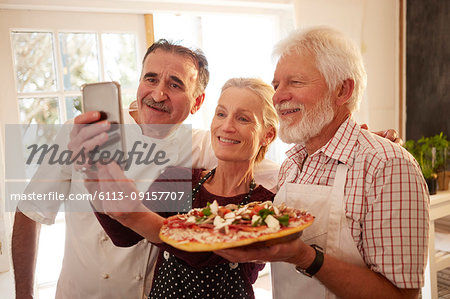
[276, 211]
[256, 220]
[217, 226]
[191, 219]
[272, 222]
[284, 220]
[214, 207]
[231, 216]
[206, 211]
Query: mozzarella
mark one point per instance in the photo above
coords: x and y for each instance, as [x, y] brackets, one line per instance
[214, 207]
[272, 222]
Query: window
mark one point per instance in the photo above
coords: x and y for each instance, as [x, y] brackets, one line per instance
[236, 45]
[50, 67]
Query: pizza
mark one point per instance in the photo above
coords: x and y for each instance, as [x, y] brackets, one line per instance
[217, 227]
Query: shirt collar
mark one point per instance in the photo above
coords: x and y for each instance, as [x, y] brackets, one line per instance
[340, 147]
[297, 152]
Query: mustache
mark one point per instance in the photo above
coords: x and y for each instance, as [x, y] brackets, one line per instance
[162, 106]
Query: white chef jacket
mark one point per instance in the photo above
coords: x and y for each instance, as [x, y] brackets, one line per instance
[93, 267]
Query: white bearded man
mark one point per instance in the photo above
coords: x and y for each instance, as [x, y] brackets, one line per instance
[370, 235]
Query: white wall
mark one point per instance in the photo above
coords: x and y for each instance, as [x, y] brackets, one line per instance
[374, 26]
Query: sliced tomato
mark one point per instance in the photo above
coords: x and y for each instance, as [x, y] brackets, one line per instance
[223, 211]
[198, 213]
[256, 210]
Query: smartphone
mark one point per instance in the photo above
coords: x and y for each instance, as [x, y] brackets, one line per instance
[105, 98]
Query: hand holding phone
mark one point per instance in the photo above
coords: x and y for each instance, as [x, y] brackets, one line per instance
[103, 139]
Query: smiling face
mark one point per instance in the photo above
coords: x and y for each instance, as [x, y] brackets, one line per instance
[302, 100]
[166, 89]
[237, 129]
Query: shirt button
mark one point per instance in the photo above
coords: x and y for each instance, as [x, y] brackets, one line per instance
[105, 275]
[138, 277]
[104, 238]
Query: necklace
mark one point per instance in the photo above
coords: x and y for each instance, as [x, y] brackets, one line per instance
[211, 173]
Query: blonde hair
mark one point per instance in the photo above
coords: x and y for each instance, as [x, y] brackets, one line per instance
[265, 92]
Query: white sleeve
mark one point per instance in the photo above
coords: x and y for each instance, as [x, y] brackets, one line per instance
[266, 172]
[202, 153]
[48, 178]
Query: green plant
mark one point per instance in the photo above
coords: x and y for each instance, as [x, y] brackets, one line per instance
[441, 144]
[431, 153]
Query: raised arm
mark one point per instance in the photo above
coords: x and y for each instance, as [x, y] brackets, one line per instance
[126, 220]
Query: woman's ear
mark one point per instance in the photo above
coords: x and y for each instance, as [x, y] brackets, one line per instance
[344, 91]
[269, 136]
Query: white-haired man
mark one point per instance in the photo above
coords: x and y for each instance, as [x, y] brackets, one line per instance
[370, 235]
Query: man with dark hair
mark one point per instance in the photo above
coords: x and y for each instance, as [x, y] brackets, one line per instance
[196, 55]
[171, 87]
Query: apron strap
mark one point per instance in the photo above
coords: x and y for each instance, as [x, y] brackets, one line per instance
[336, 209]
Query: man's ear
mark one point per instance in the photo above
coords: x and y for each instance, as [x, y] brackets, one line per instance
[133, 111]
[344, 91]
[198, 103]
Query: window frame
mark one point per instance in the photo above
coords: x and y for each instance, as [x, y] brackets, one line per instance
[60, 93]
[56, 23]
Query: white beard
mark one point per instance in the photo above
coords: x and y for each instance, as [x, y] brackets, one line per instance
[311, 124]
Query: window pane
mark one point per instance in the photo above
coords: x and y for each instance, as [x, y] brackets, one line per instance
[39, 115]
[127, 99]
[79, 54]
[39, 111]
[255, 36]
[185, 29]
[33, 58]
[73, 107]
[119, 53]
[242, 48]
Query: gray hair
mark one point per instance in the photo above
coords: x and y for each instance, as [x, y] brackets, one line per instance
[337, 58]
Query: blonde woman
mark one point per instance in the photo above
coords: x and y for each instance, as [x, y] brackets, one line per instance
[244, 124]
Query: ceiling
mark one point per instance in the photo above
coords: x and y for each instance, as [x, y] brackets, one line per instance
[149, 6]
